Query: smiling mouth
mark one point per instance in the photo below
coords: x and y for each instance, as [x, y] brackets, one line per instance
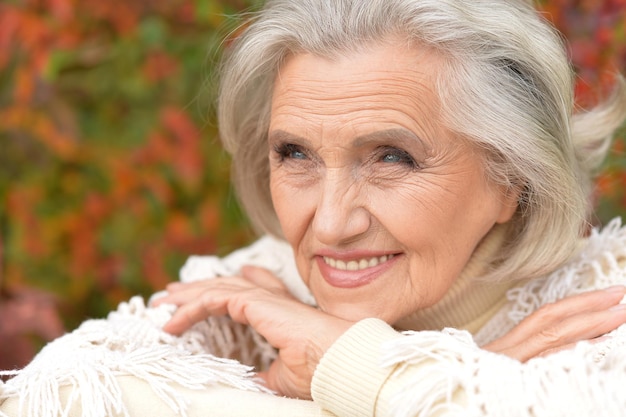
[341, 273]
[357, 264]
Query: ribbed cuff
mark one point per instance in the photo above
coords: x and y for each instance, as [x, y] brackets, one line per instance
[349, 376]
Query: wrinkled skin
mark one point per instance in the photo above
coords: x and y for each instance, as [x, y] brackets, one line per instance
[383, 208]
[362, 169]
[302, 333]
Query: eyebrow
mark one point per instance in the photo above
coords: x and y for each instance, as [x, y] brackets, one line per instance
[401, 135]
[280, 135]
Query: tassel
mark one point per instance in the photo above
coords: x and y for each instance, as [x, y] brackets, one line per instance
[129, 343]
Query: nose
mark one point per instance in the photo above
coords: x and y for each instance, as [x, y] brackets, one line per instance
[341, 215]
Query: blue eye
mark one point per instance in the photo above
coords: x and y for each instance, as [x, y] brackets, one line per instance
[396, 156]
[297, 154]
[290, 151]
[392, 158]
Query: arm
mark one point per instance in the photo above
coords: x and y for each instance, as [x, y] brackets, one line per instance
[428, 373]
[300, 332]
[352, 354]
[372, 370]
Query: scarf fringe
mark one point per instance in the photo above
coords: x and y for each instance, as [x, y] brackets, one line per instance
[596, 266]
[431, 395]
[461, 380]
[129, 342]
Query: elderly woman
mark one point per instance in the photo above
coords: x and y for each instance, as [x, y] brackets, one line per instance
[424, 165]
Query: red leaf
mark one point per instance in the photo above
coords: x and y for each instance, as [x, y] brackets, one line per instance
[23, 315]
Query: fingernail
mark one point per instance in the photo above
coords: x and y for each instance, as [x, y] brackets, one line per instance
[618, 308]
[616, 288]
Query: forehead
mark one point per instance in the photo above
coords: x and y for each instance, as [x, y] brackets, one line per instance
[386, 82]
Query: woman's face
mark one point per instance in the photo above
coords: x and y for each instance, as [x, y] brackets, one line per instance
[382, 205]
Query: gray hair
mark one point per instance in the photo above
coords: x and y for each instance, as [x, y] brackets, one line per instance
[507, 86]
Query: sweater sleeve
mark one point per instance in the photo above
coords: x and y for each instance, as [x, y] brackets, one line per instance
[374, 371]
[349, 377]
[357, 378]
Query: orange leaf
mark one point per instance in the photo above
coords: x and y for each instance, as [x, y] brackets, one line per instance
[187, 158]
[159, 66]
[8, 28]
[152, 267]
[24, 85]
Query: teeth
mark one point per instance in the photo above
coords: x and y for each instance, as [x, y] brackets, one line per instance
[353, 266]
[356, 265]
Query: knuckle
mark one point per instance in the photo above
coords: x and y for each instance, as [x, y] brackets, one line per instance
[207, 302]
[546, 313]
[552, 336]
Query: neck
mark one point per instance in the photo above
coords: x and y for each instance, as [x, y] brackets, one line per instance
[470, 302]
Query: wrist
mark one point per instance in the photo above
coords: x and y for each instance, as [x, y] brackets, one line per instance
[330, 330]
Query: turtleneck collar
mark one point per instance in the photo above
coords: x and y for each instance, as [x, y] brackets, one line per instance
[470, 302]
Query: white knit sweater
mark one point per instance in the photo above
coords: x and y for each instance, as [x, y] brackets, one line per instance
[125, 365]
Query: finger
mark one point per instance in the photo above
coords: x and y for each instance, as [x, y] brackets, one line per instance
[572, 345]
[173, 287]
[262, 277]
[198, 301]
[551, 314]
[175, 293]
[181, 293]
[231, 296]
[586, 302]
[181, 296]
[204, 306]
[262, 378]
[584, 326]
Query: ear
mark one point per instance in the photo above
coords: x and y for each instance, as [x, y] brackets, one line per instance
[509, 203]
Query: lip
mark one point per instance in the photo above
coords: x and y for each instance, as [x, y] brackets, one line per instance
[352, 279]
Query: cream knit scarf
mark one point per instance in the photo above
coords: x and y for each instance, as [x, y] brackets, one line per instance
[130, 340]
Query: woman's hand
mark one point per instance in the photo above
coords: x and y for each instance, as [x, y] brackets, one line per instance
[301, 333]
[560, 325]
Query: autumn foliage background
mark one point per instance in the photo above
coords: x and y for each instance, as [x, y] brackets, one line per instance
[110, 170]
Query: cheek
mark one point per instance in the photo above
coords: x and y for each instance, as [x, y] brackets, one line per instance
[292, 206]
[436, 203]
[437, 223]
[280, 200]
[405, 209]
